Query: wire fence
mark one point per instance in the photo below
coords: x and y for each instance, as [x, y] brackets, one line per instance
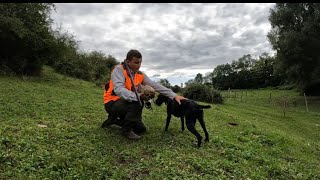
[273, 98]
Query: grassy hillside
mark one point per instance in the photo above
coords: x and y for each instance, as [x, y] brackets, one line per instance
[50, 128]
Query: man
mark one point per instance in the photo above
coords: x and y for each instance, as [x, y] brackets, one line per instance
[120, 100]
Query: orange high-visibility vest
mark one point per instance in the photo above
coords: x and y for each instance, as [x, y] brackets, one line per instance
[109, 94]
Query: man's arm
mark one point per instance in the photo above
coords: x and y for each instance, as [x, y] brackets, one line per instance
[159, 88]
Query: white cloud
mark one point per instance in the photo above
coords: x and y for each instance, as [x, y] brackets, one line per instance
[177, 40]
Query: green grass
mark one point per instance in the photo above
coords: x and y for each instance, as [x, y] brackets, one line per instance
[265, 145]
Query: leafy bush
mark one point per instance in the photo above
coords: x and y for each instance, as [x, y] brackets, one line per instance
[101, 67]
[201, 92]
[176, 88]
[29, 43]
[93, 66]
[25, 37]
[216, 97]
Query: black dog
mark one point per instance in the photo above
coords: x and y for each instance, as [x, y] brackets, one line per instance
[188, 109]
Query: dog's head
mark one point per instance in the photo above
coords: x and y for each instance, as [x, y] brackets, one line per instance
[147, 90]
[161, 99]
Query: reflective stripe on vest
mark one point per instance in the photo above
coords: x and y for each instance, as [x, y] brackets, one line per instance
[109, 94]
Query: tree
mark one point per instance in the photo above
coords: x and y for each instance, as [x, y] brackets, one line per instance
[165, 83]
[207, 80]
[176, 88]
[25, 37]
[295, 35]
[264, 71]
[190, 81]
[223, 76]
[245, 73]
[198, 79]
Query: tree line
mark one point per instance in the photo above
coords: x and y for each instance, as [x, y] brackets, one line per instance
[295, 36]
[245, 73]
[28, 42]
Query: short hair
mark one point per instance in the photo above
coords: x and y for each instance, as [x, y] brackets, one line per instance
[133, 53]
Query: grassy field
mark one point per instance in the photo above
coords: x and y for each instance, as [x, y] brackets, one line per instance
[50, 129]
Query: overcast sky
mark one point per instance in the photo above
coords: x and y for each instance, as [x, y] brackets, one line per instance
[177, 41]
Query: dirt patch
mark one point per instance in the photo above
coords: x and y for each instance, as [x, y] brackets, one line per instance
[125, 161]
[143, 173]
[233, 124]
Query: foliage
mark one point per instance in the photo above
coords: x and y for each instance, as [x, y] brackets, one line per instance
[245, 73]
[165, 83]
[93, 66]
[190, 81]
[64, 47]
[29, 43]
[25, 37]
[216, 97]
[295, 35]
[176, 88]
[198, 79]
[203, 93]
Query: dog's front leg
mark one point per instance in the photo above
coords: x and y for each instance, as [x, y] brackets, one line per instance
[182, 123]
[168, 121]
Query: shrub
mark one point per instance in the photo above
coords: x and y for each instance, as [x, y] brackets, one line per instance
[200, 92]
[216, 97]
[93, 66]
[176, 88]
[24, 37]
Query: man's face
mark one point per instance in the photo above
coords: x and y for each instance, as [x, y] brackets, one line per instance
[135, 64]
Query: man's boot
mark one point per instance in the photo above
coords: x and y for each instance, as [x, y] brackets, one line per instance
[131, 135]
[127, 130]
[111, 120]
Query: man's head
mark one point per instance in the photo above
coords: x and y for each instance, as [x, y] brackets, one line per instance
[134, 59]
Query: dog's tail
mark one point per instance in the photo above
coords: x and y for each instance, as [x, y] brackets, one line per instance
[204, 106]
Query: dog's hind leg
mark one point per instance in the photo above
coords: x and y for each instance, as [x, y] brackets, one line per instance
[203, 125]
[192, 129]
[168, 121]
[182, 123]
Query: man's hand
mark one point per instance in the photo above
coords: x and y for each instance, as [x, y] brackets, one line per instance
[179, 98]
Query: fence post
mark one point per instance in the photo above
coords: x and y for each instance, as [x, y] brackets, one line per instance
[305, 99]
[255, 100]
[241, 95]
[284, 107]
[212, 95]
[246, 95]
[270, 98]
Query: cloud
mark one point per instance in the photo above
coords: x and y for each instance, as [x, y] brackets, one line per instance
[175, 39]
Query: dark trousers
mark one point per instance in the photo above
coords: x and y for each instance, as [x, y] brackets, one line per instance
[130, 114]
